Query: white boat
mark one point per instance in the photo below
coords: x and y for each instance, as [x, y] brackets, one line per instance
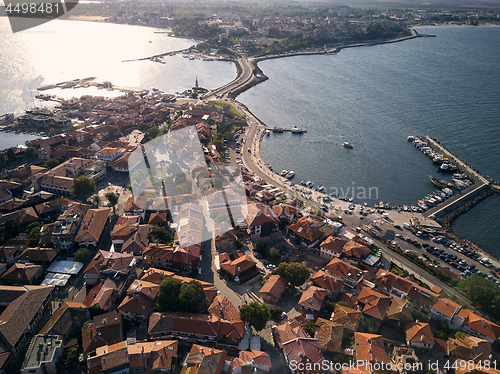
[290, 174]
[284, 172]
[347, 145]
[410, 138]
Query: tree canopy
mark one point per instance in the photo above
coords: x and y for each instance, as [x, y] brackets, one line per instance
[192, 297]
[82, 255]
[83, 185]
[112, 198]
[295, 273]
[482, 292]
[174, 296]
[255, 314]
[168, 295]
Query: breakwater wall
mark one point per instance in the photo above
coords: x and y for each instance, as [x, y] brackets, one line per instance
[482, 188]
[447, 214]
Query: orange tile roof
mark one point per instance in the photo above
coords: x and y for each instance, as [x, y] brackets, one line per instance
[312, 298]
[306, 230]
[420, 333]
[275, 286]
[224, 309]
[446, 307]
[334, 245]
[347, 317]
[369, 348]
[470, 348]
[327, 281]
[288, 331]
[344, 270]
[329, 335]
[21, 272]
[482, 326]
[356, 250]
[201, 359]
[92, 225]
[374, 304]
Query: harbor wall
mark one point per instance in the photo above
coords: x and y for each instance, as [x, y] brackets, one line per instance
[447, 214]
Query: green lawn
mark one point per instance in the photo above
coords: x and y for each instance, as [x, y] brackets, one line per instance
[221, 104]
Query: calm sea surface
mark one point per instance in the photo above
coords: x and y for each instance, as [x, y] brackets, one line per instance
[59, 51]
[374, 97]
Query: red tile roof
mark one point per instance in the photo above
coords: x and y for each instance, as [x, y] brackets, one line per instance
[92, 225]
[374, 304]
[327, 281]
[356, 250]
[312, 298]
[370, 348]
[305, 228]
[275, 286]
[334, 245]
[420, 333]
[446, 307]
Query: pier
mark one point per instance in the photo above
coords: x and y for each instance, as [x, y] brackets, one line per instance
[481, 188]
[283, 129]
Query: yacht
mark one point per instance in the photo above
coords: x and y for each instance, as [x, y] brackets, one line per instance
[284, 172]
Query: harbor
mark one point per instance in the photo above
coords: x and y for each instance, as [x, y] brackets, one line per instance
[468, 188]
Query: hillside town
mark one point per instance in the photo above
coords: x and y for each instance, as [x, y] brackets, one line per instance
[102, 271]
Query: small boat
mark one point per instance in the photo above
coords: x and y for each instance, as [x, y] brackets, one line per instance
[321, 188]
[268, 132]
[277, 129]
[439, 183]
[347, 145]
[410, 138]
[284, 172]
[296, 130]
[290, 174]
[446, 167]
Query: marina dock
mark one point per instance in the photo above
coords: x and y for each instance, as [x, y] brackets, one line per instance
[481, 188]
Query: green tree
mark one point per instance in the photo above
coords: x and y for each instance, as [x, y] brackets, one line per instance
[112, 199]
[34, 236]
[29, 151]
[12, 229]
[192, 297]
[310, 328]
[261, 248]
[168, 295]
[83, 185]
[482, 292]
[82, 255]
[161, 236]
[295, 273]
[255, 315]
[96, 200]
[275, 311]
[11, 156]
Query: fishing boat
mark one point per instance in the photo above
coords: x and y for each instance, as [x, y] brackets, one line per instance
[347, 145]
[440, 183]
[268, 132]
[277, 129]
[296, 130]
[422, 205]
[410, 138]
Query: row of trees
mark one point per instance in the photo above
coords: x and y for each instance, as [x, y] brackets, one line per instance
[175, 296]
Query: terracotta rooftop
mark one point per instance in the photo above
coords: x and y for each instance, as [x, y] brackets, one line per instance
[312, 298]
[420, 333]
[275, 286]
[374, 304]
[334, 245]
[92, 225]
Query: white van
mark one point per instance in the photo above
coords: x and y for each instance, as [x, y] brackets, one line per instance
[407, 226]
